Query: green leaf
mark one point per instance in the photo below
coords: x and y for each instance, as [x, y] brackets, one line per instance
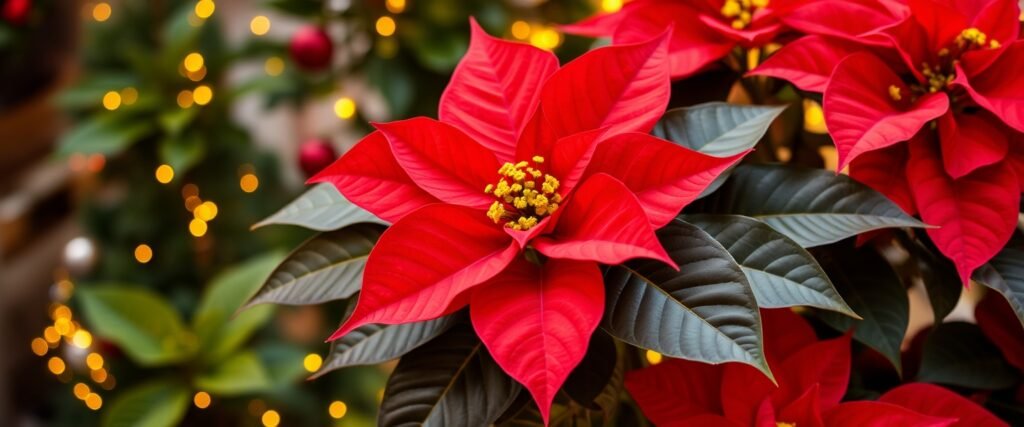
[813, 207]
[873, 289]
[595, 372]
[325, 268]
[242, 373]
[182, 153]
[159, 403]
[282, 362]
[142, 324]
[704, 312]
[958, 354]
[1005, 274]
[107, 134]
[322, 208]
[177, 120]
[781, 273]
[220, 333]
[372, 344]
[451, 381]
[717, 128]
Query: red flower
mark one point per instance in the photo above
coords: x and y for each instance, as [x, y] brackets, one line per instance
[16, 11]
[533, 176]
[812, 378]
[947, 82]
[708, 30]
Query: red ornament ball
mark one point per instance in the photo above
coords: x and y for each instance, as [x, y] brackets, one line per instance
[16, 11]
[311, 48]
[315, 155]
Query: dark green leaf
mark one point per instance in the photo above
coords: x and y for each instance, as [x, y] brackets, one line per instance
[1005, 274]
[145, 326]
[868, 283]
[325, 268]
[704, 312]
[159, 403]
[451, 381]
[592, 375]
[958, 354]
[106, 134]
[717, 128]
[813, 207]
[782, 273]
[941, 280]
[372, 344]
[241, 373]
[322, 208]
[220, 333]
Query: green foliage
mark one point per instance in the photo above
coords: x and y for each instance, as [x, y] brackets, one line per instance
[321, 208]
[958, 354]
[1005, 274]
[241, 373]
[159, 403]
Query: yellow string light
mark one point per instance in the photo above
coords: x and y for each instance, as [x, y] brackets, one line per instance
[51, 335]
[204, 8]
[164, 173]
[345, 108]
[39, 346]
[206, 211]
[143, 253]
[81, 391]
[312, 362]
[101, 11]
[395, 6]
[196, 75]
[185, 99]
[82, 339]
[56, 365]
[201, 400]
[129, 95]
[94, 361]
[611, 6]
[653, 357]
[111, 100]
[193, 61]
[337, 409]
[814, 117]
[63, 326]
[270, 418]
[274, 66]
[249, 183]
[545, 38]
[202, 95]
[385, 26]
[521, 30]
[197, 227]
[259, 25]
[93, 401]
[98, 375]
[61, 311]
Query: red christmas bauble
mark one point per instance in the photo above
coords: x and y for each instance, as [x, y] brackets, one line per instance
[311, 48]
[315, 155]
[16, 11]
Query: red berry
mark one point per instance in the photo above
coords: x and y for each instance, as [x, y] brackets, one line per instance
[311, 48]
[315, 155]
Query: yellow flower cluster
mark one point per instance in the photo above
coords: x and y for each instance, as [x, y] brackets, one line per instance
[525, 195]
[741, 11]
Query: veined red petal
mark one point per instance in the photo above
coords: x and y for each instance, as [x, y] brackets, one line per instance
[693, 47]
[536, 321]
[862, 115]
[409, 279]
[495, 89]
[369, 176]
[442, 160]
[808, 62]
[975, 214]
[858, 21]
[758, 33]
[825, 363]
[785, 333]
[970, 141]
[804, 411]
[675, 390]
[604, 222]
[885, 171]
[664, 176]
[929, 399]
[942, 22]
[570, 157]
[999, 88]
[623, 87]
[746, 394]
[879, 414]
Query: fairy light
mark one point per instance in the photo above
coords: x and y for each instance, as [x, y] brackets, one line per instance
[202, 95]
[111, 100]
[521, 30]
[653, 357]
[274, 66]
[193, 62]
[204, 8]
[56, 365]
[82, 339]
[385, 26]
[270, 418]
[51, 335]
[395, 6]
[164, 173]
[611, 6]
[98, 375]
[196, 75]
[201, 400]
[129, 95]
[81, 391]
[259, 25]
[94, 361]
[101, 11]
[143, 253]
[312, 362]
[206, 211]
[63, 326]
[345, 108]
[337, 409]
[185, 99]
[197, 227]
[546, 38]
[61, 311]
[93, 401]
[95, 162]
[814, 117]
[249, 183]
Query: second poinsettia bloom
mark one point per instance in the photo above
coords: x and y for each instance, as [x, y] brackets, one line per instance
[933, 119]
[533, 177]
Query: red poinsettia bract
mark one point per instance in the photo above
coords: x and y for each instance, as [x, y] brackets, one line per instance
[812, 377]
[933, 119]
[708, 30]
[533, 175]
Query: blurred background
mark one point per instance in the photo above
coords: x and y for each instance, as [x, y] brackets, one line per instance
[139, 142]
